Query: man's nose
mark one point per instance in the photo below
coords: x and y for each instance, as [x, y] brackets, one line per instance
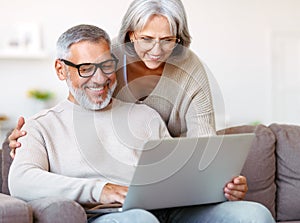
[99, 76]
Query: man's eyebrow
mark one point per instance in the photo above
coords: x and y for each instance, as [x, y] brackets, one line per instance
[102, 59]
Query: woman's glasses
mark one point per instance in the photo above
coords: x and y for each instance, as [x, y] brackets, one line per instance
[166, 43]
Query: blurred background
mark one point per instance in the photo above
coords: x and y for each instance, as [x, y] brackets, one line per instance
[251, 49]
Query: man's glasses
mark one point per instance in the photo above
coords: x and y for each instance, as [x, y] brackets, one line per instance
[89, 69]
[147, 43]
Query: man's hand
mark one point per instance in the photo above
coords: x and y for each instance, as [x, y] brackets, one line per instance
[236, 189]
[113, 193]
[13, 137]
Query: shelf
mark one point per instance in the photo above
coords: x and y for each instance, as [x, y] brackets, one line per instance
[23, 55]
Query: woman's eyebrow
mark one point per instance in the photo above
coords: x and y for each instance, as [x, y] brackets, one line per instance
[165, 37]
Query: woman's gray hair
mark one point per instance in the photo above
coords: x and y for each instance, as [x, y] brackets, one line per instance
[140, 11]
[76, 34]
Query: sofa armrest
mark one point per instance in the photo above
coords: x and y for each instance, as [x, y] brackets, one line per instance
[58, 210]
[14, 210]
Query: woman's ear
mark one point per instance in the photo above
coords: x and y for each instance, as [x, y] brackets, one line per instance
[131, 36]
[60, 70]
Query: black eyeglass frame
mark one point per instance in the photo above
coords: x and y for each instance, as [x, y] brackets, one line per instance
[97, 65]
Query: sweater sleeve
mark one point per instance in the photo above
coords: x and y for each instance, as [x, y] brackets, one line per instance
[29, 176]
[199, 122]
[199, 116]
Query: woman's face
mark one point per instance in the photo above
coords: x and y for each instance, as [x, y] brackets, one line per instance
[155, 42]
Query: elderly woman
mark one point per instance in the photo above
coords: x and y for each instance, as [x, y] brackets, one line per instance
[159, 70]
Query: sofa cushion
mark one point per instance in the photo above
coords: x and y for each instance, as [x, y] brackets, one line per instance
[288, 171]
[259, 168]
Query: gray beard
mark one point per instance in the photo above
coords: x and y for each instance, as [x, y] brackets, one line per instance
[84, 101]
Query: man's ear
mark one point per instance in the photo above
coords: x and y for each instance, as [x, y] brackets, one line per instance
[60, 70]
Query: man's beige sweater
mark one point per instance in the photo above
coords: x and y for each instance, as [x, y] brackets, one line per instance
[72, 152]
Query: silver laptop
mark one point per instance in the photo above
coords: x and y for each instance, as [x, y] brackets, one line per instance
[184, 171]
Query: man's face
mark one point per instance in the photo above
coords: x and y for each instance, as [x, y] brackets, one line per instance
[93, 92]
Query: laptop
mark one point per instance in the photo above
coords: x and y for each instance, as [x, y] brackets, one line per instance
[176, 172]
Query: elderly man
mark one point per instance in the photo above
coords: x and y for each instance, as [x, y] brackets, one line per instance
[85, 148]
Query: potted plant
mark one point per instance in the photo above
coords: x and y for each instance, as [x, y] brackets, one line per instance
[40, 98]
[42, 95]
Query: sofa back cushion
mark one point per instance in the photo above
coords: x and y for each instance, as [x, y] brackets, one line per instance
[6, 162]
[0, 170]
[259, 168]
[288, 171]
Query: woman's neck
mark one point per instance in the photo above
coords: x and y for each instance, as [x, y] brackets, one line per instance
[138, 69]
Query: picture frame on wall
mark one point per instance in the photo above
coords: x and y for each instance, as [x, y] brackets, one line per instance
[21, 40]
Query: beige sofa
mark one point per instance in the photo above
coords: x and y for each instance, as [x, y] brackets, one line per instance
[272, 169]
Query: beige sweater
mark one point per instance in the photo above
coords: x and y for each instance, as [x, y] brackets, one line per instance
[181, 96]
[72, 152]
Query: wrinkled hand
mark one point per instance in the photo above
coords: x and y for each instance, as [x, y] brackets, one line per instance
[236, 189]
[13, 137]
[112, 193]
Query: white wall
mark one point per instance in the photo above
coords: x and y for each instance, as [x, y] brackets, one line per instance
[233, 38]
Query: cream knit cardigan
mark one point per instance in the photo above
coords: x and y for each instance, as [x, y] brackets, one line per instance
[181, 96]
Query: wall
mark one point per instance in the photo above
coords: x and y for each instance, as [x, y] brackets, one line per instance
[233, 38]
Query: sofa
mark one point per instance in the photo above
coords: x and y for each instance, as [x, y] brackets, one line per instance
[272, 169]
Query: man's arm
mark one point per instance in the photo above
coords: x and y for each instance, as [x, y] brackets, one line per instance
[112, 193]
[29, 176]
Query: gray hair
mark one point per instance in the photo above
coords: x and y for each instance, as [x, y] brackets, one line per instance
[79, 33]
[140, 11]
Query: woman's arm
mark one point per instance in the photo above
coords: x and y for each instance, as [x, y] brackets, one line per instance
[200, 115]
[236, 189]
[199, 118]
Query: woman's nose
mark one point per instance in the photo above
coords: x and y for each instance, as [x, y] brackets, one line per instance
[157, 47]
